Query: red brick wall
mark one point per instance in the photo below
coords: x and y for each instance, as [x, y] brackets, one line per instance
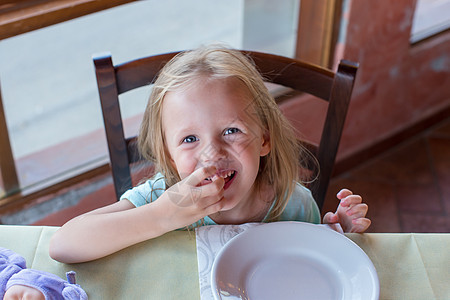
[398, 84]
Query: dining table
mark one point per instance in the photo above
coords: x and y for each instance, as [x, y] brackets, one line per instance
[408, 265]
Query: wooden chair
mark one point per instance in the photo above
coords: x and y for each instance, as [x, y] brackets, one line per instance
[336, 88]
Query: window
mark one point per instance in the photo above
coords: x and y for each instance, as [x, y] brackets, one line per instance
[48, 83]
[430, 18]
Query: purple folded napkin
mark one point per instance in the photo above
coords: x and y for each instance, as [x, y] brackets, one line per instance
[13, 271]
[10, 264]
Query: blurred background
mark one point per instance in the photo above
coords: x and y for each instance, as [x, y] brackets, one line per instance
[395, 150]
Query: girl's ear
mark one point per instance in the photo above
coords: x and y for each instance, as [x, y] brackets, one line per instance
[265, 146]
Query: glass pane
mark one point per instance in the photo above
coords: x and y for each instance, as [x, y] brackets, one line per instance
[430, 17]
[48, 82]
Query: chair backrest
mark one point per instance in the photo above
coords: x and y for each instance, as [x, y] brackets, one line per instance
[336, 88]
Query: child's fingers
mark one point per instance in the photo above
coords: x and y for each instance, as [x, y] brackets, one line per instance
[189, 191]
[330, 218]
[351, 200]
[215, 206]
[209, 194]
[214, 188]
[358, 211]
[200, 174]
[343, 193]
[360, 225]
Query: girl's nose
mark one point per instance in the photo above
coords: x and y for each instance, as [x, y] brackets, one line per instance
[212, 152]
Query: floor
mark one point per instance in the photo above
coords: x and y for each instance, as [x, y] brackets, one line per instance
[407, 188]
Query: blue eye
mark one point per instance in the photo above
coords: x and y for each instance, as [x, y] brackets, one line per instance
[231, 131]
[190, 139]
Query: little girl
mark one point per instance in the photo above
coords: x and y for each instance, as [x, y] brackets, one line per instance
[224, 154]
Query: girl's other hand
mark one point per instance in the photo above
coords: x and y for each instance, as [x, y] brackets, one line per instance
[350, 214]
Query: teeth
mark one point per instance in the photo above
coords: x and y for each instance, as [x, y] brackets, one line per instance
[223, 175]
[228, 174]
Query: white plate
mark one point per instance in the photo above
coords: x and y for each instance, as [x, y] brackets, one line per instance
[293, 260]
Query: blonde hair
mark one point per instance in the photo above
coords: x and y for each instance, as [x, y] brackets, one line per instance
[279, 168]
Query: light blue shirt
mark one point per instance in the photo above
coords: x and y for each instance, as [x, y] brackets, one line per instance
[300, 207]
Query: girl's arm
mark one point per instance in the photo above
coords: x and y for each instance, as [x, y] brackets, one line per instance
[112, 228]
[350, 214]
[105, 231]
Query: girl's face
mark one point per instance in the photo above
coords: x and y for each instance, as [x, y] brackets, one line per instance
[213, 122]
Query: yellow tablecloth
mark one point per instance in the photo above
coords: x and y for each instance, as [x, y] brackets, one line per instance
[409, 266]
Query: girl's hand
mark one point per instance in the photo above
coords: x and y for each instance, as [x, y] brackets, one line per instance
[193, 198]
[350, 213]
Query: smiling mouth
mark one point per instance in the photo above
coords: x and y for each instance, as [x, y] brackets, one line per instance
[228, 177]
